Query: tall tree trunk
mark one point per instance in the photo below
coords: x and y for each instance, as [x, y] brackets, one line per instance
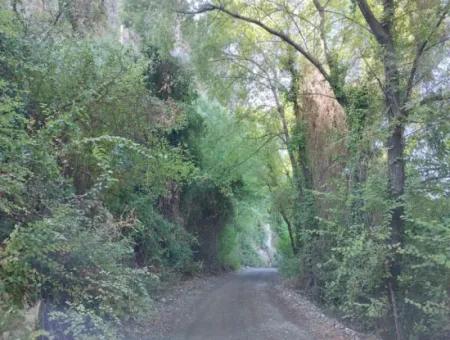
[306, 200]
[396, 176]
[383, 33]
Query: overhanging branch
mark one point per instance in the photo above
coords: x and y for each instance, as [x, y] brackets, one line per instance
[283, 36]
[420, 51]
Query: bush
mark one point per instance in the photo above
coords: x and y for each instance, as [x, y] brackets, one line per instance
[73, 259]
[229, 249]
[159, 243]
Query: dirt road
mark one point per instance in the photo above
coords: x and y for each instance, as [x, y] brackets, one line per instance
[242, 308]
[248, 305]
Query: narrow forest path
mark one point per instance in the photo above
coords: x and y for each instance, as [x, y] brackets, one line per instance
[250, 304]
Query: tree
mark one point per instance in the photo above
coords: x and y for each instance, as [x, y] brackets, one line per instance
[398, 86]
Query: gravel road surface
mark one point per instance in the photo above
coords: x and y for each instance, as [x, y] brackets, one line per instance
[252, 304]
[243, 307]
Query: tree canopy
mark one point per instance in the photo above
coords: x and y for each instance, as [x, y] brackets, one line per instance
[142, 141]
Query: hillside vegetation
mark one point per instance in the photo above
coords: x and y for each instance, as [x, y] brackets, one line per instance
[145, 141]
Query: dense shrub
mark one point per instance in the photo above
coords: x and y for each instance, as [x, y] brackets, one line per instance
[76, 259]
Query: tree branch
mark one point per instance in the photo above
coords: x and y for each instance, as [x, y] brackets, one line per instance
[375, 26]
[321, 11]
[286, 38]
[420, 51]
[435, 98]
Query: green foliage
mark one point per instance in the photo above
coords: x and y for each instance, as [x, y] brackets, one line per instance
[166, 79]
[14, 172]
[427, 260]
[115, 175]
[247, 234]
[228, 249]
[82, 323]
[289, 265]
[80, 258]
[85, 159]
[160, 31]
[72, 254]
[158, 242]
[232, 149]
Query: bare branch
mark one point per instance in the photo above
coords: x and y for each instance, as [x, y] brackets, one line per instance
[283, 36]
[344, 16]
[321, 11]
[420, 51]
